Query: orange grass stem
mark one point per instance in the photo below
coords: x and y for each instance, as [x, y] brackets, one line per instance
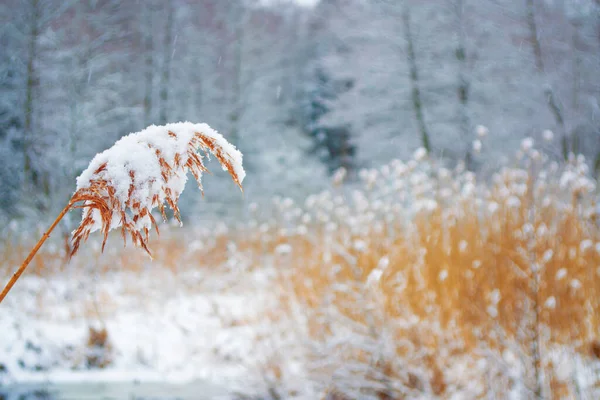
[39, 244]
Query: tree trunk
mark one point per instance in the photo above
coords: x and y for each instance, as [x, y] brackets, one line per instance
[237, 79]
[148, 62]
[165, 80]
[414, 79]
[29, 172]
[548, 91]
[463, 80]
[534, 37]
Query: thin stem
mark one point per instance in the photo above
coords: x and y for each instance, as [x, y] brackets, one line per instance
[33, 252]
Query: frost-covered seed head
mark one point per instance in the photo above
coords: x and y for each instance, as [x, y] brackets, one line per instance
[360, 245]
[548, 254]
[493, 207]
[513, 202]
[495, 296]
[283, 249]
[446, 193]
[420, 154]
[527, 144]
[585, 245]
[143, 171]
[548, 135]
[550, 303]
[443, 275]
[481, 131]
[339, 176]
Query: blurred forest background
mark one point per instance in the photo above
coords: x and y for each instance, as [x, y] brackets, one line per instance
[468, 268]
[301, 89]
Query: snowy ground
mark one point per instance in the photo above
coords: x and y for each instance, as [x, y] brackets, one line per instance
[162, 327]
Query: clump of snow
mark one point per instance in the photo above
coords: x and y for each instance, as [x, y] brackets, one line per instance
[136, 153]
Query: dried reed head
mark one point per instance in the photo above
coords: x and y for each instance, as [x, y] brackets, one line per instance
[143, 171]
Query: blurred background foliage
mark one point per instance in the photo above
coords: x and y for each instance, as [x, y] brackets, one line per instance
[301, 89]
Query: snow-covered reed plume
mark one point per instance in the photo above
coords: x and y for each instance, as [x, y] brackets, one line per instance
[143, 171]
[140, 172]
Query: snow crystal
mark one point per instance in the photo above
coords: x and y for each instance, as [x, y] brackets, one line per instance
[477, 146]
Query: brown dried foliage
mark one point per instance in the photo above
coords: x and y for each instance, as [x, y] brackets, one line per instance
[100, 195]
[99, 348]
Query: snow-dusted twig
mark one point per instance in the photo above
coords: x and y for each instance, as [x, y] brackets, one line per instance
[140, 172]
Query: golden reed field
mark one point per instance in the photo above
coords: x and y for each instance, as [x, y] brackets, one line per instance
[414, 280]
